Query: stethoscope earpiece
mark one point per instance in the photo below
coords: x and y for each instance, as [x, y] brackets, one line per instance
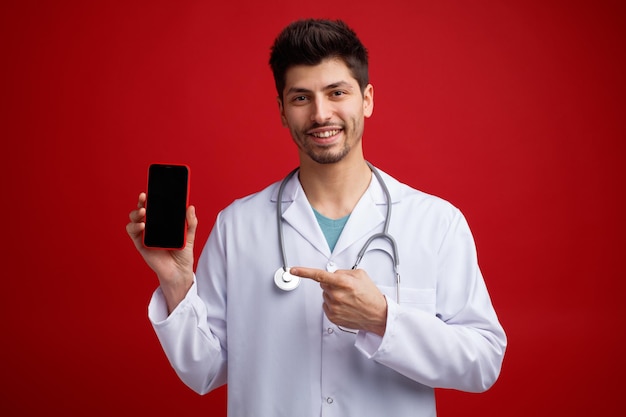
[285, 281]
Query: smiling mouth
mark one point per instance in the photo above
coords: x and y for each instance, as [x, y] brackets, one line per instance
[325, 134]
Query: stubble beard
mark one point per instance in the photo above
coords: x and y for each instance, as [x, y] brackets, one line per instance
[321, 154]
[327, 156]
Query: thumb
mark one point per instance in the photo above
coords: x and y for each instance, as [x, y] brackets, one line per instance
[192, 224]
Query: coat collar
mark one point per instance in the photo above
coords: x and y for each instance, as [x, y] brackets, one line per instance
[367, 217]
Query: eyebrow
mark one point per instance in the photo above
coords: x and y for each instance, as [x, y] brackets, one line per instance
[338, 84]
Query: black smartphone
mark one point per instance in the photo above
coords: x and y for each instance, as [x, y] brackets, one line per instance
[166, 206]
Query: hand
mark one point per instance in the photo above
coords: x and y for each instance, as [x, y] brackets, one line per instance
[174, 268]
[351, 299]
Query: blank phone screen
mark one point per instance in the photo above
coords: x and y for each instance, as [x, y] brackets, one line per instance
[166, 206]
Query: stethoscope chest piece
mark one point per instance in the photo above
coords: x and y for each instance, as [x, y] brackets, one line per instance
[285, 281]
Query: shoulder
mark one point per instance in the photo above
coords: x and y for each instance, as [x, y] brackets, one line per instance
[434, 217]
[408, 197]
[255, 205]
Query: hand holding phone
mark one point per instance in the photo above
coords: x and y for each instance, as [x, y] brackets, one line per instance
[174, 268]
[166, 206]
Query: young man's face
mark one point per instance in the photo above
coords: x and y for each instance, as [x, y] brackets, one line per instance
[324, 110]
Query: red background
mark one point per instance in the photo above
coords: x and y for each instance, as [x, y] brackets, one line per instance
[512, 110]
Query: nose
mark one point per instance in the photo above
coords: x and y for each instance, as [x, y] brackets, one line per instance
[321, 111]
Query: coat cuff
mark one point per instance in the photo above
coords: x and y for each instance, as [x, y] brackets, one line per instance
[370, 343]
[157, 308]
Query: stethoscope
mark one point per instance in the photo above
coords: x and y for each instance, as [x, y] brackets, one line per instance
[287, 282]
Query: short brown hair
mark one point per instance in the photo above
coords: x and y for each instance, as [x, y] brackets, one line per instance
[310, 41]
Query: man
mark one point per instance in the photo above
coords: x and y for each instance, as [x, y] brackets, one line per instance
[348, 341]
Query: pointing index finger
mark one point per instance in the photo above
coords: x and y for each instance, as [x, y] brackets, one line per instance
[318, 275]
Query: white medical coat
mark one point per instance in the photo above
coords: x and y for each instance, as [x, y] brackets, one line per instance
[278, 352]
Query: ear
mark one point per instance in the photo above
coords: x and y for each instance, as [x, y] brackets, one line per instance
[368, 100]
[281, 109]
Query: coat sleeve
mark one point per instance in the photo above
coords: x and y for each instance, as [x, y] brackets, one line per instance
[462, 345]
[193, 336]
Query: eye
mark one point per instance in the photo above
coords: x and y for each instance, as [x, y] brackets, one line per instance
[337, 93]
[298, 99]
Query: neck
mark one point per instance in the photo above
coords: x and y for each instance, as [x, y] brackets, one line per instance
[334, 189]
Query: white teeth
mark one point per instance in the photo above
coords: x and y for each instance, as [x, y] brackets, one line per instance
[326, 134]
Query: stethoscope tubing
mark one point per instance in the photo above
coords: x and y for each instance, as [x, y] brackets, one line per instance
[279, 218]
[288, 284]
